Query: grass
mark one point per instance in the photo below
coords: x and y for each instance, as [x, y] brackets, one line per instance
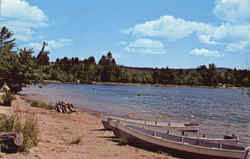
[25, 124]
[40, 104]
[76, 140]
[122, 141]
[7, 99]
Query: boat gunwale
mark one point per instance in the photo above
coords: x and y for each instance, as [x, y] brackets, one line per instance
[144, 123]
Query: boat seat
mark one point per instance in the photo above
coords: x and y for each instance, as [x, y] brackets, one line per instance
[208, 144]
[232, 147]
[169, 137]
[191, 141]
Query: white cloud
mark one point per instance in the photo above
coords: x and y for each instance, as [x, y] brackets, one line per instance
[233, 47]
[56, 44]
[22, 10]
[205, 52]
[34, 45]
[52, 44]
[226, 31]
[233, 10]
[169, 27]
[176, 29]
[122, 43]
[147, 46]
[234, 37]
[22, 18]
[206, 39]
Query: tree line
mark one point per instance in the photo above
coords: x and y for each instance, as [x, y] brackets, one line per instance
[19, 67]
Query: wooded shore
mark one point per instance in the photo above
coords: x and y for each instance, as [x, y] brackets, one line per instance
[138, 84]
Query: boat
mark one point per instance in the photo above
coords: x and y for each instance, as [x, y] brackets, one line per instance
[106, 124]
[178, 132]
[184, 127]
[179, 129]
[179, 145]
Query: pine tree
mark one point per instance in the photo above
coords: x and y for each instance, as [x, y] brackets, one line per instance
[17, 70]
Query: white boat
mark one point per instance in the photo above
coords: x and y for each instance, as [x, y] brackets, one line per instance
[184, 146]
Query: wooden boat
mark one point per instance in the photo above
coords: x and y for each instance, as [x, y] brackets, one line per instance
[106, 124]
[226, 138]
[170, 127]
[184, 127]
[180, 145]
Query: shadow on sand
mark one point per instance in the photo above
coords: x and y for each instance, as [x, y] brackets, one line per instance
[99, 130]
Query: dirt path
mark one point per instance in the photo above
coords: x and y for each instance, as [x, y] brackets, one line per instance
[57, 131]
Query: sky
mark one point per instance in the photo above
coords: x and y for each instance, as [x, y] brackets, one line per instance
[142, 33]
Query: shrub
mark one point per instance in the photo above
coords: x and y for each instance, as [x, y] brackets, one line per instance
[76, 140]
[27, 125]
[7, 98]
[123, 141]
[30, 133]
[40, 104]
[3, 118]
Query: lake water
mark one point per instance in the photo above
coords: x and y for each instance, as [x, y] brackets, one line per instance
[229, 108]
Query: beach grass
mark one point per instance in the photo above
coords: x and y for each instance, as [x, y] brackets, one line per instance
[122, 141]
[76, 140]
[40, 104]
[7, 99]
[25, 124]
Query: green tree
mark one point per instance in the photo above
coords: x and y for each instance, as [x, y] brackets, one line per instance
[17, 70]
[212, 75]
[43, 58]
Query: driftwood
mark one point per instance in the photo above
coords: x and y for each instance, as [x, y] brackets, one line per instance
[63, 107]
[10, 141]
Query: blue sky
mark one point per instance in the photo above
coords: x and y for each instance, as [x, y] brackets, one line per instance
[149, 33]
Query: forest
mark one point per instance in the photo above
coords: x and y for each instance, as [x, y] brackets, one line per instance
[20, 67]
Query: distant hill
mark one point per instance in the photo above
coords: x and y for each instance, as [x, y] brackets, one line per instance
[150, 69]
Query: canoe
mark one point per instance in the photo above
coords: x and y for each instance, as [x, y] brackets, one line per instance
[172, 130]
[179, 145]
[173, 127]
[106, 125]
[184, 127]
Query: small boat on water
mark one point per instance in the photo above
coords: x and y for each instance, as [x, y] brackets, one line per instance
[184, 146]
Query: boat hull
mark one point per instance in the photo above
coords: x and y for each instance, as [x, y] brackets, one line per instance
[175, 148]
[106, 125]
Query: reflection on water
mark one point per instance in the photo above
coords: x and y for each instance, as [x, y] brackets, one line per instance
[225, 106]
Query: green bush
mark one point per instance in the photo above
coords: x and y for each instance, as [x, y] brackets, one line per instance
[40, 104]
[3, 118]
[30, 133]
[7, 98]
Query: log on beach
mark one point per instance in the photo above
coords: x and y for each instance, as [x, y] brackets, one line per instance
[63, 107]
[10, 141]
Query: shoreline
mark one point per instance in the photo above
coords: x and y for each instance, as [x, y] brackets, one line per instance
[140, 84]
[58, 131]
[207, 126]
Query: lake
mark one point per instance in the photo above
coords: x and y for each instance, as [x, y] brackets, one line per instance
[223, 108]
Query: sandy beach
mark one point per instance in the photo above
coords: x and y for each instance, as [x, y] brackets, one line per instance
[57, 131]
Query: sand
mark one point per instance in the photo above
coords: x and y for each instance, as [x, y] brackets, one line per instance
[57, 131]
